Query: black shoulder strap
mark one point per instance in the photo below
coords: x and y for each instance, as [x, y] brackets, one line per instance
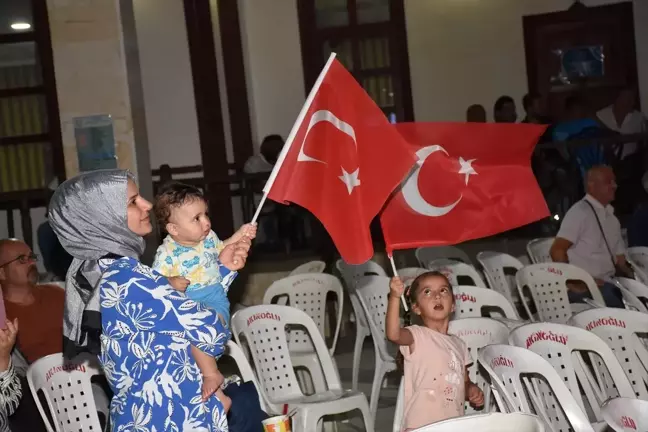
[607, 245]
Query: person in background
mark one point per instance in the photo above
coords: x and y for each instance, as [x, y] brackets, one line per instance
[55, 259]
[10, 386]
[476, 114]
[39, 309]
[534, 108]
[264, 161]
[623, 117]
[590, 238]
[638, 226]
[504, 110]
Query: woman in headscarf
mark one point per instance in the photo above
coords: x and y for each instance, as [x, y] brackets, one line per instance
[122, 309]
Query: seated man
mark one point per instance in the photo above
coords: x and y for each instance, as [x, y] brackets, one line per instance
[590, 238]
[39, 309]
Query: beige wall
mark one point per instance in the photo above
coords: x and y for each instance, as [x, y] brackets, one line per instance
[92, 45]
[273, 65]
[472, 51]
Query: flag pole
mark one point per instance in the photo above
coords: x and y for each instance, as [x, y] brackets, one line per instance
[393, 266]
[291, 135]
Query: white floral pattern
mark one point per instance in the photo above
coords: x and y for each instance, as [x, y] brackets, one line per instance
[148, 329]
[10, 393]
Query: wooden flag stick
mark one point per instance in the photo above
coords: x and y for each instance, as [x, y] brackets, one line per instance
[393, 266]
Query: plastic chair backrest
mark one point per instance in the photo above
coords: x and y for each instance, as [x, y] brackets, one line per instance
[493, 422]
[472, 301]
[538, 250]
[548, 285]
[453, 270]
[638, 257]
[264, 330]
[635, 294]
[245, 370]
[476, 334]
[373, 292]
[408, 274]
[351, 273]
[308, 292]
[563, 347]
[494, 264]
[513, 371]
[425, 255]
[309, 267]
[619, 329]
[67, 389]
[624, 414]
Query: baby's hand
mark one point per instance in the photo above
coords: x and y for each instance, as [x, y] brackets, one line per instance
[396, 287]
[474, 395]
[179, 283]
[249, 230]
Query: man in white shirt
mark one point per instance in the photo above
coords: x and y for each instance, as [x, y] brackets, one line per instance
[594, 245]
[622, 117]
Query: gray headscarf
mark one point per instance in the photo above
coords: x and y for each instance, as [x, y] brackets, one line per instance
[88, 213]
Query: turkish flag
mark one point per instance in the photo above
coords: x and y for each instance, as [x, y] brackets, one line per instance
[341, 162]
[473, 180]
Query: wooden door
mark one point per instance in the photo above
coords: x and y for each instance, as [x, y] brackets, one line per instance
[584, 50]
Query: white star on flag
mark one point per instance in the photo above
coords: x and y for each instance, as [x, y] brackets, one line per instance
[351, 180]
[466, 168]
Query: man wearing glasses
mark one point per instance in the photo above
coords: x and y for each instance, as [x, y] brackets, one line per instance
[39, 308]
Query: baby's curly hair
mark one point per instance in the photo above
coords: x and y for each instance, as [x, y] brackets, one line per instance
[172, 195]
[410, 298]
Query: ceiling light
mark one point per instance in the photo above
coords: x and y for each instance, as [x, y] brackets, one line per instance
[20, 26]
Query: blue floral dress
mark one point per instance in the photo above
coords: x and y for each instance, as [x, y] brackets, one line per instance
[148, 329]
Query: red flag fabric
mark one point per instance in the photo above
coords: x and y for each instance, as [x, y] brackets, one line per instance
[343, 163]
[473, 180]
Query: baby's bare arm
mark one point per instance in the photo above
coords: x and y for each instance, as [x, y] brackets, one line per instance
[179, 283]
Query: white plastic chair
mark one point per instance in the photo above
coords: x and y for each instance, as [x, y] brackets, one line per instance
[408, 274]
[620, 329]
[563, 347]
[309, 267]
[453, 270]
[68, 391]
[513, 371]
[547, 283]
[235, 352]
[538, 250]
[308, 293]
[372, 292]
[473, 301]
[350, 274]
[493, 422]
[626, 415]
[425, 255]
[264, 330]
[635, 294]
[476, 334]
[638, 258]
[494, 265]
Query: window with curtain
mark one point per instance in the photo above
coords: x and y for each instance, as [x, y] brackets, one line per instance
[369, 38]
[30, 137]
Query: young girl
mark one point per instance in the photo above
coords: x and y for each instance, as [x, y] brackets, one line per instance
[436, 382]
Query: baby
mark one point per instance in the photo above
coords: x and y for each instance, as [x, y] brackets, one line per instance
[188, 257]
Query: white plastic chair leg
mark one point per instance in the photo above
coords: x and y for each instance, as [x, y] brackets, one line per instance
[361, 334]
[379, 376]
